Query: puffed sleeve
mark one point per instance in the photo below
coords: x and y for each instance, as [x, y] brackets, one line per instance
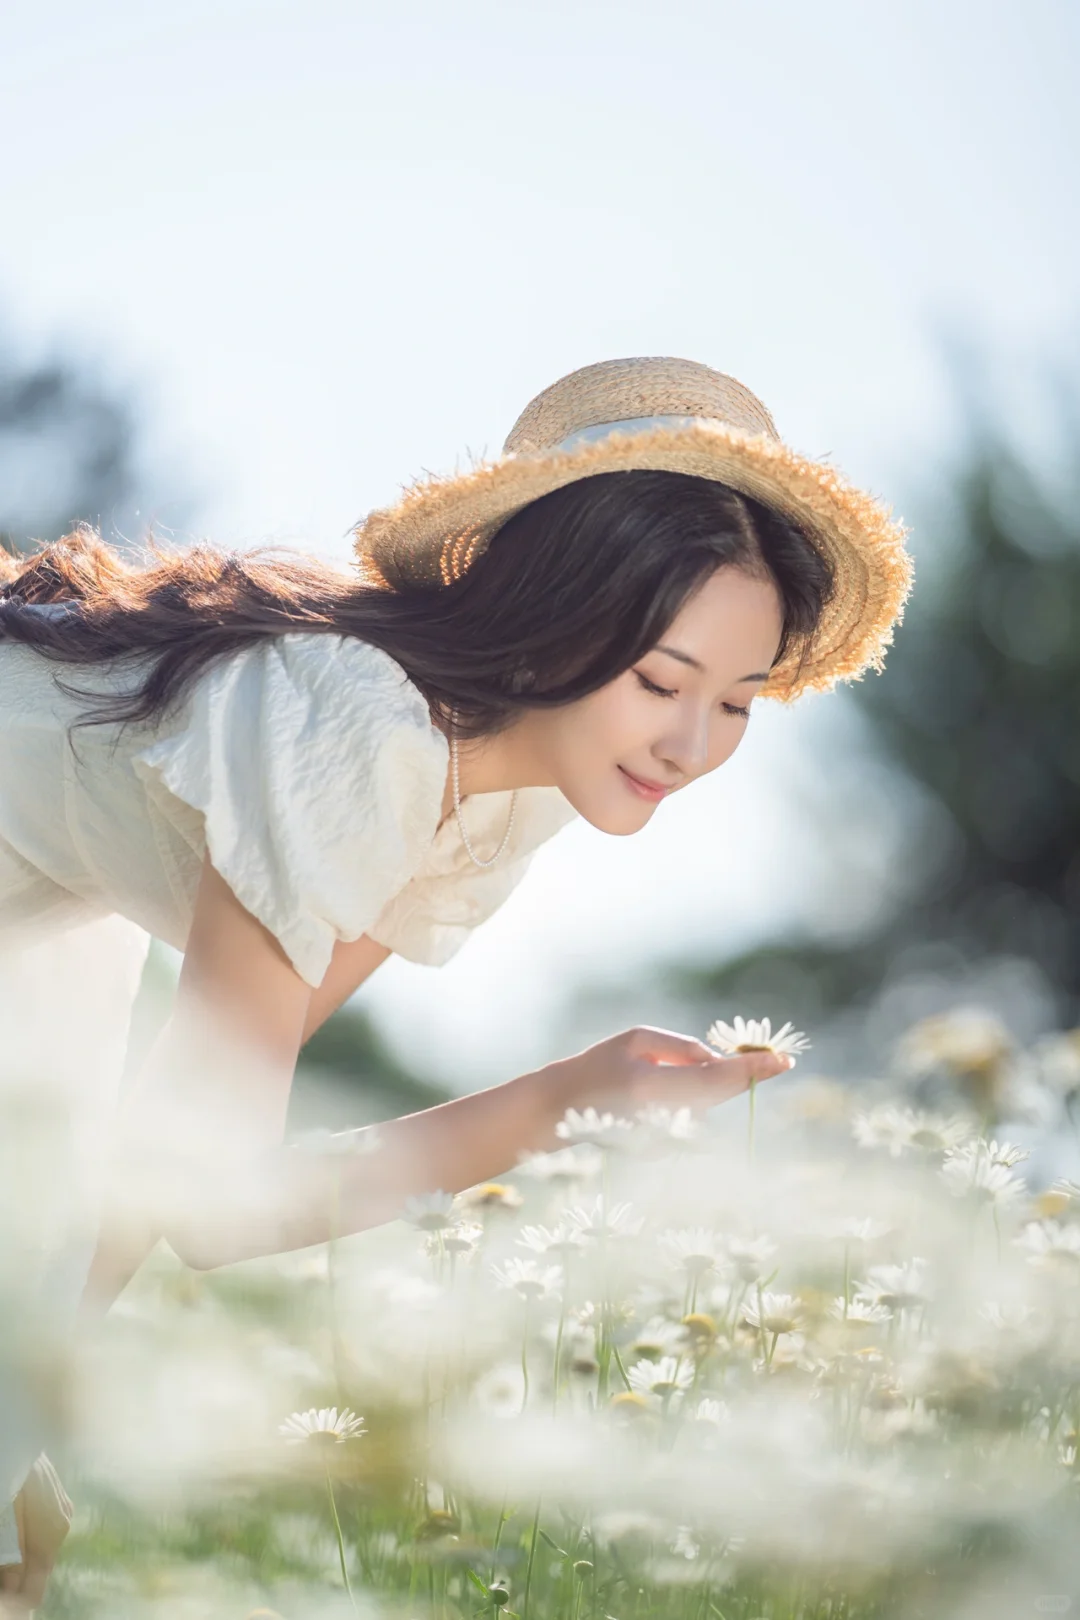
[432, 917]
[318, 777]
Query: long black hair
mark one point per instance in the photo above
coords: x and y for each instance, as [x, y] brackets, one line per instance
[571, 591]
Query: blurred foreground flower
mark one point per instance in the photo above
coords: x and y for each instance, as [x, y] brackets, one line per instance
[595, 1404]
[984, 1171]
[898, 1128]
[601, 1130]
[431, 1212]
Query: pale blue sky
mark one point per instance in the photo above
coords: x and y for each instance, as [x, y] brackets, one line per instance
[337, 244]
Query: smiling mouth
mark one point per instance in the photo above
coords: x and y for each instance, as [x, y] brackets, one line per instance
[646, 789]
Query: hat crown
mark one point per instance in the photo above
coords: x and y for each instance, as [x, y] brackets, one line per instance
[631, 389]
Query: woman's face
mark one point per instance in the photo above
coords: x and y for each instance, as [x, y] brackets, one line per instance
[731, 627]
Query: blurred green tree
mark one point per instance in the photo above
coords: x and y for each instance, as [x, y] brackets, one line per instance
[67, 446]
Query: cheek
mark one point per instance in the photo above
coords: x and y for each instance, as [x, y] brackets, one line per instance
[731, 735]
[610, 724]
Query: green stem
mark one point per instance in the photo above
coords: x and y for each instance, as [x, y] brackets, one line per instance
[761, 1325]
[619, 1363]
[498, 1538]
[558, 1342]
[532, 1556]
[577, 1596]
[340, 1539]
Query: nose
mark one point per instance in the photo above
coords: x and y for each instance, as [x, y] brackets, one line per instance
[685, 747]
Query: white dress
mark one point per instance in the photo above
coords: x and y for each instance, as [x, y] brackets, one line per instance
[309, 767]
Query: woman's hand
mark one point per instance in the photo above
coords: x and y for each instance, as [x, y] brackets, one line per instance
[43, 1513]
[646, 1065]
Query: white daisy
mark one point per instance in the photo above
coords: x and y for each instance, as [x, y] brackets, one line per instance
[965, 1040]
[602, 1130]
[972, 1169]
[461, 1238]
[407, 1292]
[755, 1035]
[1006, 1153]
[899, 1128]
[1010, 1316]
[750, 1257]
[859, 1312]
[778, 1313]
[577, 1163]
[896, 1287]
[666, 1127]
[863, 1230]
[1049, 1242]
[326, 1425]
[596, 1221]
[914, 1422]
[527, 1278]
[663, 1377]
[693, 1248]
[658, 1338]
[684, 1544]
[710, 1410]
[431, 1212]
[561, 1241]
[500, 1390]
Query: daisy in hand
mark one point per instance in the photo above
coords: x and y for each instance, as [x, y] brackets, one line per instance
[755, 1035]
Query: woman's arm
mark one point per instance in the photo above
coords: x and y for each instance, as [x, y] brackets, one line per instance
[353, 961]
[229, 1047]
[123, 1245]
[199, 1156]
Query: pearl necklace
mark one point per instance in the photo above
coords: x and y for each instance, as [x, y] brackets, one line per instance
[457, 807]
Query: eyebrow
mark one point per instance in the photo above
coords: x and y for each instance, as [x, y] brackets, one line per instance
[685, 658]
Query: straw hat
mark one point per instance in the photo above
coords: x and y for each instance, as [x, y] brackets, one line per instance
[675, 416]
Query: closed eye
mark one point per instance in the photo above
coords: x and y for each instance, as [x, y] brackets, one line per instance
[663, 691]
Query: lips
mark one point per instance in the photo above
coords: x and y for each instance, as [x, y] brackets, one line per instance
[654, 789]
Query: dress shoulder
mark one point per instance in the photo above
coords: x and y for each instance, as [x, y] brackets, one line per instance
[319, 776]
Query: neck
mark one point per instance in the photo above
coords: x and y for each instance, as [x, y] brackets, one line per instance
[496, 765]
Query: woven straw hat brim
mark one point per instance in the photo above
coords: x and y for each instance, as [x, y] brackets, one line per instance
[442, 522]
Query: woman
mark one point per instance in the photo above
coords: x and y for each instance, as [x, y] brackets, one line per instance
[289, 774]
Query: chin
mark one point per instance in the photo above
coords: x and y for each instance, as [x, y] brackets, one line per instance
[620, 815]
[620, 823]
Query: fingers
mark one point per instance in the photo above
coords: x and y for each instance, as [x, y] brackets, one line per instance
[667, 1046]
[701, 1086]
[747, 1066]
